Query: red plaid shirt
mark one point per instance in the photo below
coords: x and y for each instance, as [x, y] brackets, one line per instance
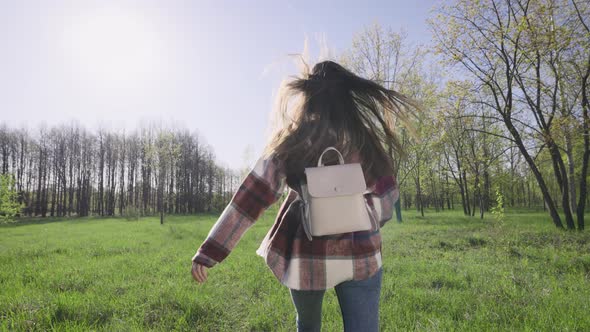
[297, 262]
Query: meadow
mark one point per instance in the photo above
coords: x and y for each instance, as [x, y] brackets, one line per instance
[443, 272]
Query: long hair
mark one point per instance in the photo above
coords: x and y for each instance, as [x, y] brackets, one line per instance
[331, 106]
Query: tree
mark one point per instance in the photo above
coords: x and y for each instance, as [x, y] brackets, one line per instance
[167, 152]
[384, 56]
[9, 205]
[516, 51]
[582, 68]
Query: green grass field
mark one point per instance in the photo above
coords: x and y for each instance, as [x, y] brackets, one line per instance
[442, 272]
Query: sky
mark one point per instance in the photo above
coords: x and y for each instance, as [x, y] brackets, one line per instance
[210, 67]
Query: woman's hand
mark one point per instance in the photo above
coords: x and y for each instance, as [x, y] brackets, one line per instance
[199, 272]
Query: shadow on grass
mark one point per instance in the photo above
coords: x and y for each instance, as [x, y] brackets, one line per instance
[172, 218]
[41, 220]
[443, 218]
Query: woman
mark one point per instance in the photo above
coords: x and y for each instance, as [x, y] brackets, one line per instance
[330, 106]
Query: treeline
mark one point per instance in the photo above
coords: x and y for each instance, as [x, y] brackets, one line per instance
[504, 122]
[505, 118]
[69, 171]
[528, 64]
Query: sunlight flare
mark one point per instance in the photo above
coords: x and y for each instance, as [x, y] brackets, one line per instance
[113, 47]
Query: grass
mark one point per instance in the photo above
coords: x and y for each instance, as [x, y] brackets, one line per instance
[443, 272]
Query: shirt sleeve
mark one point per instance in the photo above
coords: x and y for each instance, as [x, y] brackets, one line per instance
[384, 194]
[261, 187]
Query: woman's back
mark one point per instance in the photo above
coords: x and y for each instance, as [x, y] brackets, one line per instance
[329, 106]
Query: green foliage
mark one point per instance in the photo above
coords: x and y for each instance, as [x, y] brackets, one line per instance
[132, 213]
[9, 206]
[498, 210]
[442, 272]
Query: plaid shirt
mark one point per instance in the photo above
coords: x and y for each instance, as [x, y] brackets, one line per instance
[297, 262]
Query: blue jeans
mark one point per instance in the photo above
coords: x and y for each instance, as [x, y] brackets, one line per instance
[359, 304]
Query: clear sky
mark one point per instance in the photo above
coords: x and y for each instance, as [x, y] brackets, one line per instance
[208, 66]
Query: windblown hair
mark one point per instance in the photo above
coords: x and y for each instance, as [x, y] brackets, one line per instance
[331, 106]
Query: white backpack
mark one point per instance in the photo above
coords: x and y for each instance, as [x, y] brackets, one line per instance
[332, 198]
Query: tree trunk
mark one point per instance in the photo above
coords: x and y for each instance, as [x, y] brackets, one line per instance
[561, 176]
[467, 199]
[538, 176]
[419, 201]
[585, 124]
[571, 172]
[122, 195]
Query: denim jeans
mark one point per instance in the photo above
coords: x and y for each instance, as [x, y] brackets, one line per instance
[359, 304]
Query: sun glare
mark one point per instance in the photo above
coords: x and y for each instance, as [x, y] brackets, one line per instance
[113, 47]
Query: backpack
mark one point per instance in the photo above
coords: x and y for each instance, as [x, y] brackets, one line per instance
[332, 198]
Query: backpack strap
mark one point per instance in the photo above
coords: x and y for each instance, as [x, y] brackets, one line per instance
[340, 158]
[298, 185]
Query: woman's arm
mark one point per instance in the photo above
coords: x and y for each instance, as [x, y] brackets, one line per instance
[263, 186]
[384, 193]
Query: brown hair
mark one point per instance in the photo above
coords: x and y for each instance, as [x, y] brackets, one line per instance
[331, 106]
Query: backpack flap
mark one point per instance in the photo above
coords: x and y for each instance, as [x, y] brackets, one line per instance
[335, 180]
